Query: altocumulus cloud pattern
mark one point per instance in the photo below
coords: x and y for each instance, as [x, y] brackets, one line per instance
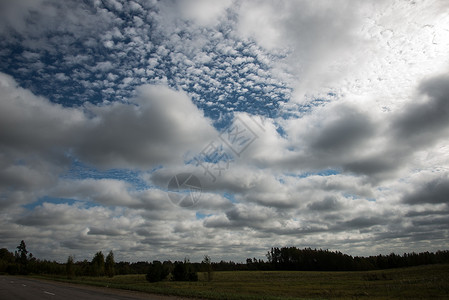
[307, 123]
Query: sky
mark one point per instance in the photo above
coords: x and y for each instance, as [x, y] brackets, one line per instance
[172, 129]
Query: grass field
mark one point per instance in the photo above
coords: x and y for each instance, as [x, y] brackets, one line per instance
[425, 282]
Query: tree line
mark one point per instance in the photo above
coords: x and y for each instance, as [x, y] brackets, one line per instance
[292, 258]
[22, 262]
[99, 266]
[285, 258]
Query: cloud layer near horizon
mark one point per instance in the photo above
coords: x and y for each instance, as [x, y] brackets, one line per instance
[348, 117]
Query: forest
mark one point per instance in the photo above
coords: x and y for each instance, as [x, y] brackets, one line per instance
[286, 258]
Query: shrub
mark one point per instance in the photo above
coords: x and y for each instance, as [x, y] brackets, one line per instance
[183, 271]
[157, 272]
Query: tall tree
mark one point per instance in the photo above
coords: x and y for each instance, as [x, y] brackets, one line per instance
[22, 253]
[97, 264]
[109, 265]
[22, 258]
[207, 267]
[69, 266]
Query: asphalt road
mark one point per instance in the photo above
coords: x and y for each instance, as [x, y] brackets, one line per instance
[17, 288]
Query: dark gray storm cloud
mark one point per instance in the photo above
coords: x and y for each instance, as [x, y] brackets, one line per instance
[420, 123]
[362, 222]
[374, 165]
[434, 192]
[142, 135]
[423, 122]
[327, 204]
[338, 137]
[343, 134]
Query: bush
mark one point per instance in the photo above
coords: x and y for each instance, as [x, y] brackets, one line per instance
[157, 272]
[12, 269]
[183, 271]
[192, 276]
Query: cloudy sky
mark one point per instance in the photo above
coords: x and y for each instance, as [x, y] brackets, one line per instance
[307, 123]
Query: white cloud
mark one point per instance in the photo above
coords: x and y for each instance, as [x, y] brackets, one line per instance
[202, 12]
[103, 66]
[161, 126]
[366, 163]
[330, 41]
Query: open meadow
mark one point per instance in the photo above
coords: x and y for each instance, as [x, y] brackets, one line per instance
[423, 282]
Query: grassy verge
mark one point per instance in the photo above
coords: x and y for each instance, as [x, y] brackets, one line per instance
[423, 282]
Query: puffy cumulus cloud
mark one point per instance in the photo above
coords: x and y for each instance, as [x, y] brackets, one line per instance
[298, 22]
[328, 43]
[159, 128]
[419, 125]
[277, 190]
[333, 137]
[79, 227]
[203, 12]
[358, 137]
[28, 121]
[435, 191]
[425, 120]
[327, 204]
[267, 143]
[348, 130]
[108, 192]
[14, 16]
[113, 192]
[38, 137]
[329, 215]
[131, 231]
[34, 135]
[402, 135]
[250, 215]
[340, 136]
[306, 29]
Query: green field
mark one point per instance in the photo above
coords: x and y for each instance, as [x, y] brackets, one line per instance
[425, 282]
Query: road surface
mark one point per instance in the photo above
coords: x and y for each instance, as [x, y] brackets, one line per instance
[17, 288]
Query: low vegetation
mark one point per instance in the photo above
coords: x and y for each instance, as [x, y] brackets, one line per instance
[423, 282]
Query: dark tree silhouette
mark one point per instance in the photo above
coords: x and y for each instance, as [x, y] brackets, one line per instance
[22, 258]
[70, 268]
[183, 271]
[97, 264]
[109, 265]
[206, 265]
[7, 260]
[285, 258]
[157, 271]
[22, 252]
